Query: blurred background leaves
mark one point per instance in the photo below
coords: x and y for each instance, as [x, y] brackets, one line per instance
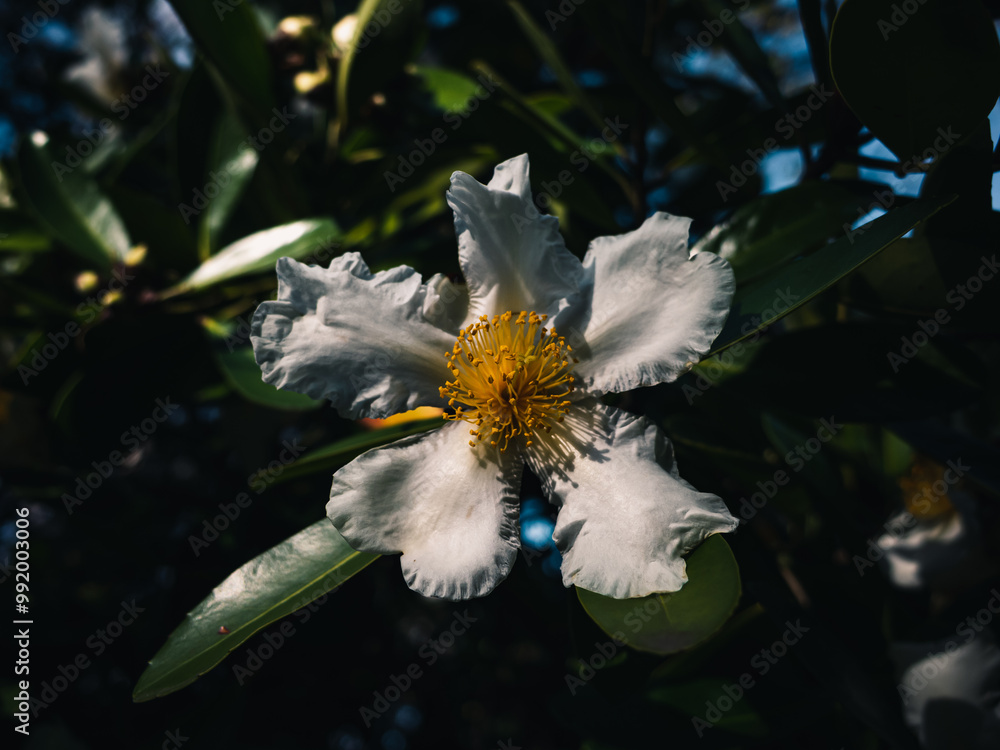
[159, 156]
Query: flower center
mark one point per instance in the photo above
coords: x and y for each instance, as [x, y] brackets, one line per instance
[511, 378]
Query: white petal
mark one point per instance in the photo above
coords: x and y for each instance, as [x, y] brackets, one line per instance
[923, 549]
[649, 310]
[951, 689]
[625, 517]
[512, 256]
[446, 304]
[361, 340]
[451, 509]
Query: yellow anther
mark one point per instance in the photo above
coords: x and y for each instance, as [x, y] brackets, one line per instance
[512, 375]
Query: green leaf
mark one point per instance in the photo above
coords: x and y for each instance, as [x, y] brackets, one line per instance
[912, 76]
[243, 374]
[910, 258]
[287, 577]
[259, 251]
[665, 623]
[386, 36]
[774, 229]
[336, 454]
[228, 35]
[231, 157]
[761, 303]
[70, 205]
[450, 90]
[549, 54]
[19, 234]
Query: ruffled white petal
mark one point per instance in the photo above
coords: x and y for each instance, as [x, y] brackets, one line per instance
[451, 509]
[626, 518]
[367, 342]
[649, 310]
[951, 689]
[513, 257]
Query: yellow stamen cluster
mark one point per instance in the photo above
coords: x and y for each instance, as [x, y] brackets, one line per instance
[511, 377]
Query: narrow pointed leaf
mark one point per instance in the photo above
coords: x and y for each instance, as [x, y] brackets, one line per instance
[70, 205]
[288, 576]
[259, 252]
[759, 304]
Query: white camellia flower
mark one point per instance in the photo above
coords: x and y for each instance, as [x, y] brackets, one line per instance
[639, 310]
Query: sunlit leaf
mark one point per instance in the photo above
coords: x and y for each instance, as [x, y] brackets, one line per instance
[287, 577]
[232, 158]
[259, 252]
[773, 229]
[70, 205]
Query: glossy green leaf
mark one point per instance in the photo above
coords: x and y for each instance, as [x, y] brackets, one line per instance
[920, 78]
[259, 252]
[776, 228]
[287, 577]
[243, 374]
[230, 37]
[232, 158]
[665, 623]
[760, 303]
[70, 205]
